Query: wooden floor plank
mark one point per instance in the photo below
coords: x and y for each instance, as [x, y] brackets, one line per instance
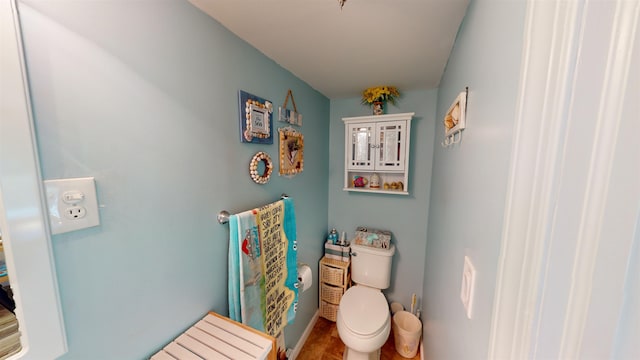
[324, 344]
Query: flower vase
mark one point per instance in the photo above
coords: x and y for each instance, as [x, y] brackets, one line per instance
[378, 107]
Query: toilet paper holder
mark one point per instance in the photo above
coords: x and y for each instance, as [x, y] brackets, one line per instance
[304, 271]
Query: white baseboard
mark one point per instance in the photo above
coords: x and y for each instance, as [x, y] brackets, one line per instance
[305, 335]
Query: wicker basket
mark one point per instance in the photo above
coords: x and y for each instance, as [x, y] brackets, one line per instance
[330, 293]
[328, 311]
[334, 276]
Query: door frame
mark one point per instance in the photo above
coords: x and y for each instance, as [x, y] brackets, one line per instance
[25, 229]
[553, 41]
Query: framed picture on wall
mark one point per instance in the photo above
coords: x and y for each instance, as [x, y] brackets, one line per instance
[455, 118]
[256, 124]
[291, 152]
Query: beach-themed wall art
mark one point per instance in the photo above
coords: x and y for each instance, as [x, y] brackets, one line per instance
[292, 117]
[260, 168]
[256, 125]
[455, 119]
[291, 152]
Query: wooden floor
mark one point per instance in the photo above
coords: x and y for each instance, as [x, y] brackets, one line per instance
[325, 344]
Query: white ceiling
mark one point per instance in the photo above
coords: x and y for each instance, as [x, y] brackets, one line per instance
[405, 43]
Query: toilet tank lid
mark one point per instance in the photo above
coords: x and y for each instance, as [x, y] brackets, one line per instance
[375, 251]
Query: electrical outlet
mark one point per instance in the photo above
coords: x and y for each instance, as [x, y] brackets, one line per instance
[72, 204]
[75, 212]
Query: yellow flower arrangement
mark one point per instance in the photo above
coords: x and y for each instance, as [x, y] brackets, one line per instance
[380, 93]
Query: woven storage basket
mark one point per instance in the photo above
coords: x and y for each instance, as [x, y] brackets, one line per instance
[333, 275]
[331, 294]
[328, 311]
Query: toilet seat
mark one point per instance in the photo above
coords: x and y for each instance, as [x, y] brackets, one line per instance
[364, 311]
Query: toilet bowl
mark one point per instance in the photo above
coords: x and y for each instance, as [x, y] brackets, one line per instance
[363, 322]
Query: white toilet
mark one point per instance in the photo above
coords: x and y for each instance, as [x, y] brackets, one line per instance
[363, 319]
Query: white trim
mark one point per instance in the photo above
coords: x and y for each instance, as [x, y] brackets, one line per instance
[599, 174]
[25, 231]
[546, 74]
[305, 335]
[551, 56]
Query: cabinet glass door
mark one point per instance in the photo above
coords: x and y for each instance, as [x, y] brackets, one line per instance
[360, 151]
[390, 148]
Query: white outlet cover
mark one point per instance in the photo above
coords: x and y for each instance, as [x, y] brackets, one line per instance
[58, 204]
[468, 285]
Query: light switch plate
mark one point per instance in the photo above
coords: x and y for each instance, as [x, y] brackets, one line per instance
[72, 204]
[468, 285]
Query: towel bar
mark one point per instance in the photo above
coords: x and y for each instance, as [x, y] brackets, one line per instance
[223, 215]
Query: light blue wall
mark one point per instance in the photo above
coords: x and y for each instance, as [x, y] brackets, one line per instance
[405, 216]
[469, 179]
[143, 96]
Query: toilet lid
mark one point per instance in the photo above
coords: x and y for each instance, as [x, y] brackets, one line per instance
[364, 310]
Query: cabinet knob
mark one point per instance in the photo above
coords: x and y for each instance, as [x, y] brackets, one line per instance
[353, 254]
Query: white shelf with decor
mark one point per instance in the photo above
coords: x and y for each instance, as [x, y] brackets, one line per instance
[377, 153]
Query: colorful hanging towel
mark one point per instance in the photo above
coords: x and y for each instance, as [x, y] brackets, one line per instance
[245, 270]
[263, 271]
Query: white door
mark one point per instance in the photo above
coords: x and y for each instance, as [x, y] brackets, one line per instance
[568, 285]
[27, 241]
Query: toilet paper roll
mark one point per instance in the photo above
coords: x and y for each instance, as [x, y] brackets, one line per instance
[305, 278]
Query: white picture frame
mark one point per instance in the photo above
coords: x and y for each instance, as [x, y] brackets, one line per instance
[455, 118]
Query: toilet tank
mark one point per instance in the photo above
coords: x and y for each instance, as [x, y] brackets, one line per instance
[371, 266]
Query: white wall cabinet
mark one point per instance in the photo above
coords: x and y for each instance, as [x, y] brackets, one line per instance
[377, 145]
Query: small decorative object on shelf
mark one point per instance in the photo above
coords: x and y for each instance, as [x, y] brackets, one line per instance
[372, 237]
[360, 181]
[395, 185]
[375, 181]
[378, 108]
[377, 96]
[333, 236]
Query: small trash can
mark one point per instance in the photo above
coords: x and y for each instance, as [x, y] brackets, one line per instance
[407, 329]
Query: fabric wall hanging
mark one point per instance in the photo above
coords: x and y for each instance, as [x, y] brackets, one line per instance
[256, 125]
[291, 152]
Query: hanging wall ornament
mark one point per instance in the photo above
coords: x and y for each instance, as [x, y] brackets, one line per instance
[455, 119]
[291, 152]
[260, 168]
[292, 117]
